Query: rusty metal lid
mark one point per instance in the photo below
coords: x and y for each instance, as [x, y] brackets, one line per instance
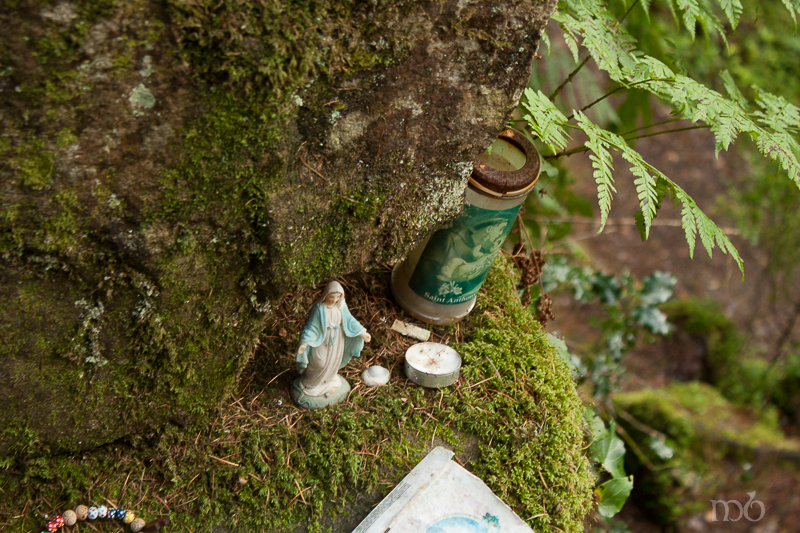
[501, 183]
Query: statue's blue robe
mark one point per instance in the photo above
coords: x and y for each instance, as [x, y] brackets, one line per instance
[314, 333]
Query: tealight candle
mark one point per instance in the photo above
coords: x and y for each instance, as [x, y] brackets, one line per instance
[432, 365]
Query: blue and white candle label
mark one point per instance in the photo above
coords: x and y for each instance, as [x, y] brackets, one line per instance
[457, 258]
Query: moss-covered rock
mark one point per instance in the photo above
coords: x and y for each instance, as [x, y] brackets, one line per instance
[166, 167]
[683, 437]
[514, 417]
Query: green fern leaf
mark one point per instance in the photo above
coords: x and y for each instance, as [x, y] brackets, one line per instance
[732, 89]
[694, 13]
[790, 5]
[602, 164]
[689, 223]
[569, 27]
[606, 39]
[695, 222]
[777, 113]
[645, 4]
[651, 186]
[733, 10]
[545, 120]
[546, 40]
[645, 188]
[691, 12]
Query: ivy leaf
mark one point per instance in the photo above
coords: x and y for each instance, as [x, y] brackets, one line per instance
[607, 288]
[572, 360]
[609, 451]
[596, 424]
[657, 288]
[613, 495]
[652, 318]
[660, 448]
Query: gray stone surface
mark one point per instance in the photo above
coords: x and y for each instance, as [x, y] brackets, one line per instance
[168, 169]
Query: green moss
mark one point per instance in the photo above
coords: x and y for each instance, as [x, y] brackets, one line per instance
[34, 164]
[702, 428]
[740, 378]
[271, 466]
[691, 411]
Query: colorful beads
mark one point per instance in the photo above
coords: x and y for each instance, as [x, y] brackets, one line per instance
[82, 512]
[54, 524]
[137, 525]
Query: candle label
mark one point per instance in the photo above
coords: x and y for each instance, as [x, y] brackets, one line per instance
[457, 258]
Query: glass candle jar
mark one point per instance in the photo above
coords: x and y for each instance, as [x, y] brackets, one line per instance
[438, 281]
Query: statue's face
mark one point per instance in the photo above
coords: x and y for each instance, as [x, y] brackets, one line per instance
[333, 298]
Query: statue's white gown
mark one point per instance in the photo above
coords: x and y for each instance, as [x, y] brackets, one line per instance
[324, 361]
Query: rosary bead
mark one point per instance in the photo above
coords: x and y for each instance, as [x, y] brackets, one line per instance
[70, 517]
[137, 525]
[82, 512]
[93, 513]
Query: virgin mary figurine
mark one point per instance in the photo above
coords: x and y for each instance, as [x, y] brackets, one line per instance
[330, 338]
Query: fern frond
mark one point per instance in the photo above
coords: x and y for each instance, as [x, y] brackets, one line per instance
[545, 120]
[648, 178]
[546, 40]
[603, 166]
[689, 222]
[691, 14]
[777, 113]
[733, 10]
[645, 4]
[725, 130]
[569, 36]
[695, 12]
[606, 39]
[726, 117]
[646, 175]
[645, 187]
[732, 90]
[793, 8]
[695, 222]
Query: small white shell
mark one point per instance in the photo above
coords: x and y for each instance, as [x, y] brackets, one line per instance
[137, 525]
[375, 376]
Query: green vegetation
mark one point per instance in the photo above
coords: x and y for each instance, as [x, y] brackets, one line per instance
[730, 71]
[682, 435]
[596, 27]
[515, 416]
[160, 291]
